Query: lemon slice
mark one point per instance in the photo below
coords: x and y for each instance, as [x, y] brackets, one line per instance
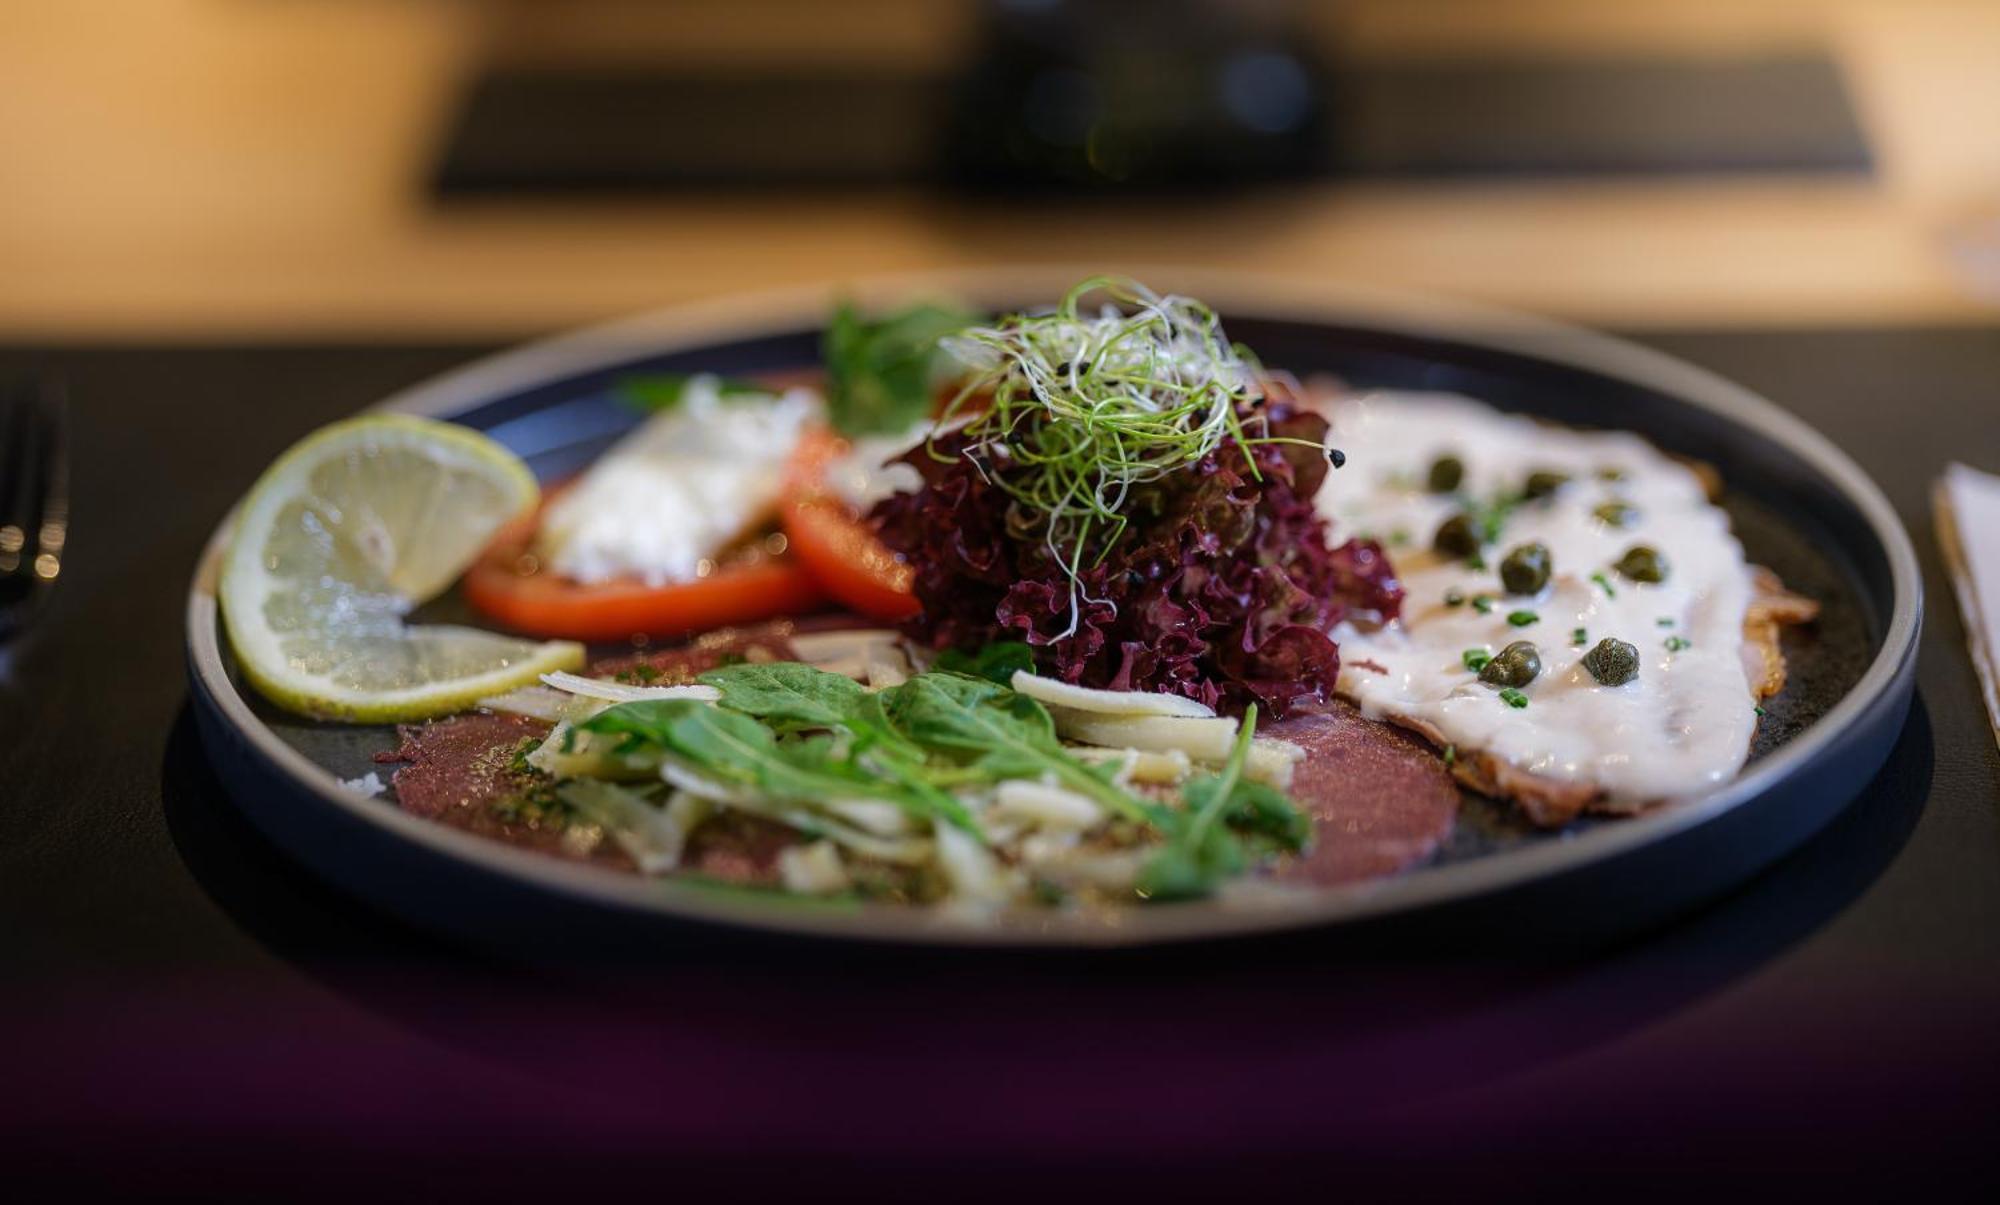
[346, 532]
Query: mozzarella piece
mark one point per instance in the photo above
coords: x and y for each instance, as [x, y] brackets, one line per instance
[1684, 725]
[1057, 693]
[673, 494]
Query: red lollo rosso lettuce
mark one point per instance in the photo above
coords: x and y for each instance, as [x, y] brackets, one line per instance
[1221, 589]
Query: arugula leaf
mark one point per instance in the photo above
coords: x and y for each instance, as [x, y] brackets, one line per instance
[1228, 821]
[1005, 734]
[655, 392]
[727, 746]
[995, 663]
[744, 749]
[787, 694]
[879, 372]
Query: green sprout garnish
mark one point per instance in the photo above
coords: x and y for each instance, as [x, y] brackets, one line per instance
[1086, 408]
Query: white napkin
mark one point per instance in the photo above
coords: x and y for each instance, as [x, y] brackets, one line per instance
[1966, 503]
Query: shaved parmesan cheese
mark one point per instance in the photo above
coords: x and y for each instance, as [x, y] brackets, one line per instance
[1271, 761]
[877, 816]
[619, 692]
[1201, 739]
[651, 836]
[976, 877]
[813, 869]
[1044, 806]
[1148, 766]
[588, 756]
[535, 702]
[815, 648]
[1107, 702]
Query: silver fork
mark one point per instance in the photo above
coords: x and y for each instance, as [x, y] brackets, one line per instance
[34, 499]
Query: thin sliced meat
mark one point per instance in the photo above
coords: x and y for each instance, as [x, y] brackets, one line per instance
[460, 771]
[1379, 798]
[678, 665]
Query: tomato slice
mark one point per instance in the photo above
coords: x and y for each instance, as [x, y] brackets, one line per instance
[540, 603]
[837, 545]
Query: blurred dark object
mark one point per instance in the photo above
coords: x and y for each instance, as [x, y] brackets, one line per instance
[1787, 114]
[34, 499]
[1127, 96]
[1136, 94]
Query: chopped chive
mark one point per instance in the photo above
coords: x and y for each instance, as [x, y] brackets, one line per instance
[1675, 644]
[1451, 751]
[1605, 584]
[1454, 597]
[1482, 603]
[1399, 538]
[1665, 621]
[1513, 698]
[1475, 659]
[1579, 636]
[1759, 710]
[1475, 562]
[1522, 619]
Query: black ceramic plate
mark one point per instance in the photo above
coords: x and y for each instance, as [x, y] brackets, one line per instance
[1800, 506]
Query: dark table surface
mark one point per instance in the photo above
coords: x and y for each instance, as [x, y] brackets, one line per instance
[181, 1006]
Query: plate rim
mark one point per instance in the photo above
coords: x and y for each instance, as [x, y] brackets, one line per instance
[750, 315]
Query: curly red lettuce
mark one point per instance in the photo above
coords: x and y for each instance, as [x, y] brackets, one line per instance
[1222, 588]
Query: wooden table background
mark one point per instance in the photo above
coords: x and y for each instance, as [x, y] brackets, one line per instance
[204, 169]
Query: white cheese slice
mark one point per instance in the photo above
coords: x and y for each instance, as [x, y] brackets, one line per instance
[1057, 693]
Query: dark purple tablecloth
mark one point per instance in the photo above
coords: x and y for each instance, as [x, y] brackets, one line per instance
[182, 1008]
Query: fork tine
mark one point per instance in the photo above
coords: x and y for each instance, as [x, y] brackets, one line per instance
[33, 498]
[19, 484]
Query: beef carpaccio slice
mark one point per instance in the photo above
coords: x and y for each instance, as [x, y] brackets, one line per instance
[1379, 798]
[460, 771]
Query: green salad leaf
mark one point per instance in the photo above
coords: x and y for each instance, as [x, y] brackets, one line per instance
[795, 733]
[1227, 822]
[1001, 733]
[659, 391]
[996, 662]
[880, 372]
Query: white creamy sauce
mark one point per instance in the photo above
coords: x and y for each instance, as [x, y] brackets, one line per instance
[1682, 726]
[677, 491]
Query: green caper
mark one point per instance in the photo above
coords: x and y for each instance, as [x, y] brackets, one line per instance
[1642, 563]
[1612, 662]
[1516, 665]
[1544, 482]
[1617, 514]
[1446, 473]
[1525, 569]
[1455, 537]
